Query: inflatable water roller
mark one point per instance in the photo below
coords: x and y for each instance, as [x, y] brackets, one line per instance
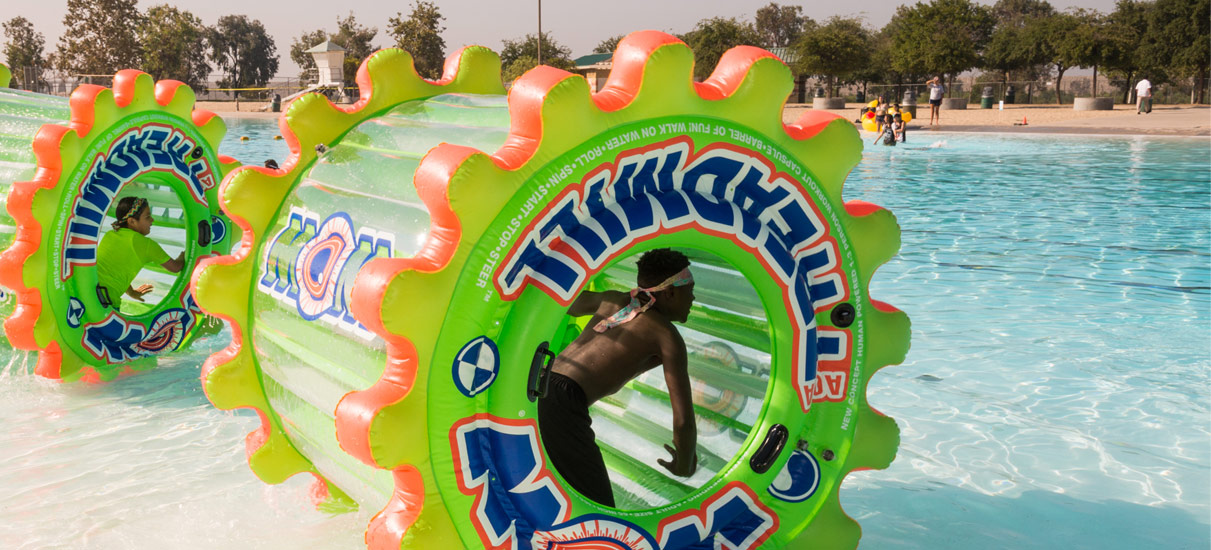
[402, 278]
[64, 165]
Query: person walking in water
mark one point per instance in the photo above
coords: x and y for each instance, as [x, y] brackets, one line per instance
[124, 251]
[629, 335]
[936, 91]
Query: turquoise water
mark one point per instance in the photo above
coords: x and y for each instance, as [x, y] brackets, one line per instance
[1056, 395]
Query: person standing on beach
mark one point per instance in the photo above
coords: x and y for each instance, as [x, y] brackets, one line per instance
[936, 90]
[1143, 97]
[880, 112]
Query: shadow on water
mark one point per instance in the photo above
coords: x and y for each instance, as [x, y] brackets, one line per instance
[962, 519]
[173, 384]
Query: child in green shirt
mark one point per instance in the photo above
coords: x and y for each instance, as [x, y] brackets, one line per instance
[124, 251]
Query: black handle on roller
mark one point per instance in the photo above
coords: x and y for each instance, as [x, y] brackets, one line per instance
[769, 450]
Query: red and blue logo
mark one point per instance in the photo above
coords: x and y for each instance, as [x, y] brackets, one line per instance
[519, 503]
[311, 265]
[722, 190]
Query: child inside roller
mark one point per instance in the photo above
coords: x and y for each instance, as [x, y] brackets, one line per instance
[124, 251]
[632, 333]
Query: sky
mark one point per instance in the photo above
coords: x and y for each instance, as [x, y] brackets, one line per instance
[577, 24]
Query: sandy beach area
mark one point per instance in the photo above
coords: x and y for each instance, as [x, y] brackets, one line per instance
[1165, 120]
[1170, 120]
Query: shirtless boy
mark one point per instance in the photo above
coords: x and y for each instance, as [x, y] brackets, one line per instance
[628, 335]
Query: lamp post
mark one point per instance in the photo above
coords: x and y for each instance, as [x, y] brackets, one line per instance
[540, 32]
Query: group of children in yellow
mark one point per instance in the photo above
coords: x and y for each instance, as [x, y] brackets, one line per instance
[886, 120]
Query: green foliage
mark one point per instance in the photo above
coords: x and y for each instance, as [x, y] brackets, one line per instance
[942, 37]
[712, 37]
[304, 42]
[355, 38]
[1010, 49]
[1122, 59]
[518, 67]
[838, 51]
[780, 26]
[99, 37]
[609, 45]
[878, 68]
[242, 49]
[1177, 38]
[23, 49]
[420, 35]
[174, 46]
[1055, 34]
[1014, 13]
[519, 56]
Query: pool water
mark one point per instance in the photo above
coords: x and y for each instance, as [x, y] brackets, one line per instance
[1056, 394]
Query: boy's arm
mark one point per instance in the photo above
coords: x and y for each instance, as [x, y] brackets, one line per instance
[588, 302]
[685, 430]
[176, 264]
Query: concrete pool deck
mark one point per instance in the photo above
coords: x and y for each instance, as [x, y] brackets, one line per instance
[1165, 120]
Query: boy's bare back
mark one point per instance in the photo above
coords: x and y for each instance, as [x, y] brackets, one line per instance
[602, 363]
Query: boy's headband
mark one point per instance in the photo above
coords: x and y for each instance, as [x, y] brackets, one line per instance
[135, 207]
[633, 309]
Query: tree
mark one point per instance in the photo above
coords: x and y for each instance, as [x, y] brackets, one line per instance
[1014, 13]
[1055, 34]
[1126, 26]
[877, 70]
[241, 48]
[519, 56]
[1010, 49]
[781, 26]
[99, 37]
[24, 50]
[712, 37]
[609, 45]
[356, 39]
[943, 37]
[1088, 43]
[349, 34]
[304, 42]
[1177, 39]
[420, 35]
[838, 51]
[174, 43]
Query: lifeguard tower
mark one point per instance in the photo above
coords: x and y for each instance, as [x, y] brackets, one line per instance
[330, 68]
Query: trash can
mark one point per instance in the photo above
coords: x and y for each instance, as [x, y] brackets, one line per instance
[909, 102]
[1009, 94]
[276, 104]
[986, 98]
[860, 97]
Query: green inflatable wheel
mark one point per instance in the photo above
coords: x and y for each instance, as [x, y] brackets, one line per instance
[450, 317]
[136, 138]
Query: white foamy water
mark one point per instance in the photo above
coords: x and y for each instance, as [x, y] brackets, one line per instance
[144, 462]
